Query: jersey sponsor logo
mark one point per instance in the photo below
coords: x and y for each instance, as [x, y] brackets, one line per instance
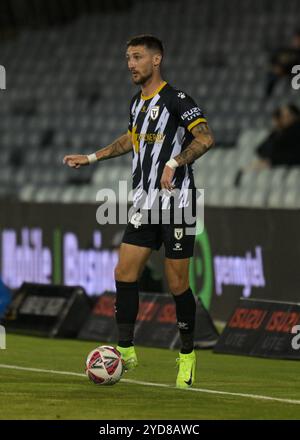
[191, 114]
[154, 111]
[150, 137]
[178, 233]
[181, 95]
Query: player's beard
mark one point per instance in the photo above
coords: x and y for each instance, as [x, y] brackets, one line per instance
[142, 79]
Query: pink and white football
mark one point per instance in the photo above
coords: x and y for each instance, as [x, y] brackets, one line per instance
[104, 365]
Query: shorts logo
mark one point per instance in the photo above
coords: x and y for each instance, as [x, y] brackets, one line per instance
[178, 233]
[136, 220]
[154, 112]
[177, 247]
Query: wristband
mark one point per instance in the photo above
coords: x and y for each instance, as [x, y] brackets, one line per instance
[92, 158]
[172, 164]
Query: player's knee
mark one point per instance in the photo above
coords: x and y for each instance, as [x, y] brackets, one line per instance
[119, 273]
[123, 274]
[178, 284]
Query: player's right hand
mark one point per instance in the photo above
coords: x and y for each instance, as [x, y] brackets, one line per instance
[76, 160]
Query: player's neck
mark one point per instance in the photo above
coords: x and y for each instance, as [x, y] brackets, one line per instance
[151, 85]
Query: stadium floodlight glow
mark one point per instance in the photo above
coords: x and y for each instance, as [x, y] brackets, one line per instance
[2, 78]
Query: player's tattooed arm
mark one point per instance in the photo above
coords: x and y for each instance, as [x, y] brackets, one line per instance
[202, 142]
[119, 147]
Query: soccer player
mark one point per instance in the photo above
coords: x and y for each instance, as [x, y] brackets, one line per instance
[167, 132]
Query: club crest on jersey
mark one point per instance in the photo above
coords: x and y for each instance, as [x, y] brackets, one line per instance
[154, 111]
[178, 233]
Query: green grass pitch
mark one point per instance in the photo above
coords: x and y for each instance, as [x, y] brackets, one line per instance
[46, 395]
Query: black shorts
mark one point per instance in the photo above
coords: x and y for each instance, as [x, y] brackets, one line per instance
[178, 239]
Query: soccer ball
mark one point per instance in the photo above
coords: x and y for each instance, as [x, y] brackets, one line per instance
[104, 365]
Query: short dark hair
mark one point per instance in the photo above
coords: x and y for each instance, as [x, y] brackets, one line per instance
[147, 40]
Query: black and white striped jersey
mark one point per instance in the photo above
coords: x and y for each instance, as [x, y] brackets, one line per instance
[160, 126]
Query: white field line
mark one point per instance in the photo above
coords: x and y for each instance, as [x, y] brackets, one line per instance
[161, 385]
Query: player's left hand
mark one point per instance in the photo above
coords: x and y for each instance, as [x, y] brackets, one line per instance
[166, 178]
